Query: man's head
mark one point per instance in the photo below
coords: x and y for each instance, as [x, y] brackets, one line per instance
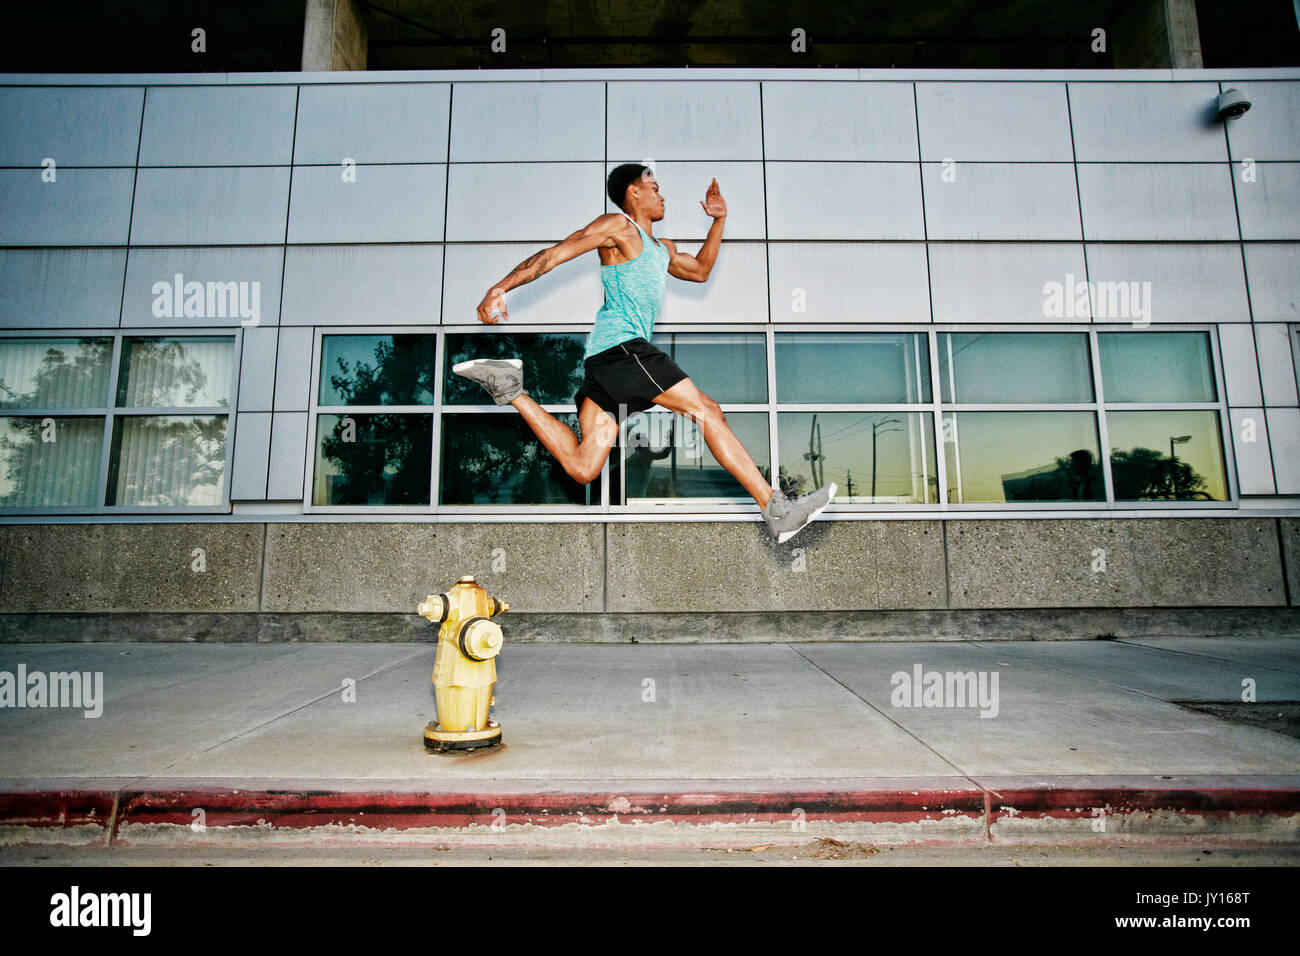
[633, 189]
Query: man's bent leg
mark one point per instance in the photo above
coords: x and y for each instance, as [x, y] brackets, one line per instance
[581, 460]
[688, 400]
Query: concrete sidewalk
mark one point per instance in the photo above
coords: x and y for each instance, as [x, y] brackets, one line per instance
[644, 745]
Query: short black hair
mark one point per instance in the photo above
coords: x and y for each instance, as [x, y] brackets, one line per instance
[622, 177]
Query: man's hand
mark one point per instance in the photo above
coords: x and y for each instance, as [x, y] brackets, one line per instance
[714, 205]
[494, 301]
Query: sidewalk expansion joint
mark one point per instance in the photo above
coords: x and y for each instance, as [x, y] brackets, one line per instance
[883, 714]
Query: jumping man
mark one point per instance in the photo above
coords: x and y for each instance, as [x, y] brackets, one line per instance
[625, 374]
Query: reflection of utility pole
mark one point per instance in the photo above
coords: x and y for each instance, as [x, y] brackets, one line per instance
[849, 482]
[672, 462]
[813, 454]
[877, 430]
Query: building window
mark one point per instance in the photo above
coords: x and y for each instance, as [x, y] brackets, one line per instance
[1062, 417]
[663, 455]
[374, 421]
[166, 426]
[1163, 416]
[1020, 420]
[488, 454]
[850, 411]
[50, 453]
[1018, 456]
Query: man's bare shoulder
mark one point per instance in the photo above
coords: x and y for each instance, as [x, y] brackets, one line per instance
[607, 226]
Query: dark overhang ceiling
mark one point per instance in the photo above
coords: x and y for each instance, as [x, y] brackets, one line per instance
[266, 35]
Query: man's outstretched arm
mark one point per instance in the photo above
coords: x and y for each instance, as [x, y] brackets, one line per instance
[591, 236]
[696, 268]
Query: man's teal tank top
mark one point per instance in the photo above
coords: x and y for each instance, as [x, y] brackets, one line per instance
[634, 294]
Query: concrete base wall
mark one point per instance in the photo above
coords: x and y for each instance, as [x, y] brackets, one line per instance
[945, 579]
[709, 627]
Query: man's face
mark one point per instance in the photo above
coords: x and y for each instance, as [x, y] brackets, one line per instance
[647, 197]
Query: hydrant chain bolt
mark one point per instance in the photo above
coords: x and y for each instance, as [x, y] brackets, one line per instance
[464, 668]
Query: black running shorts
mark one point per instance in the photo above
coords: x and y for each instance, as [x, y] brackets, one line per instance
[625, 379]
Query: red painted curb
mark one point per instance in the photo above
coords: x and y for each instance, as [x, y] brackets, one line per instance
[403, 811]
[57, 808]
[385, 810]
[1069, 802]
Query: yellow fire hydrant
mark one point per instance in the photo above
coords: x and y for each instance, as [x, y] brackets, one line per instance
[464, 669]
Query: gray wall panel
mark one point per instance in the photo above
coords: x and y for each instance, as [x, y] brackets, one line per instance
[1004, 282]
[849, 282]
[839, 121]
[71, 125]
[674, 120]
[218, 126]
[1276, 369]
[1273, 269]
[255, 271]
[570, 293]
[1284, 439]
[223, 206]
[1156, 202]
[561, 198]
[82, 207]
[363, 285]
[293, 370]
[736, 290]
[288, 456]
[1149, 122]
[257, 370]
[1001, 201]
[1270, 206]
[994, 122]
[1270, 130]
[372, 123]
[844, 201]
[683, 186]
[528, 122]
[1254, 464]
[1199, 282]
[1240, 369]
[252, 451]
[61, 288]
[384, 204]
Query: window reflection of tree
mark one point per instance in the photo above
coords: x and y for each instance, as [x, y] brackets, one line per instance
[553, 369]
[80, 383]
[1144, 473]
[496, 459]
[59, 382]
[198, 441]
[388, 459]
[159, 373]
[156, 373]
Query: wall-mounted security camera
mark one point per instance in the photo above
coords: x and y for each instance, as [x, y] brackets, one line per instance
[1232, 103]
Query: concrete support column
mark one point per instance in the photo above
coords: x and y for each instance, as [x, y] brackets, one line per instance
[334, 36]
[1154, 34]
[1184, 34]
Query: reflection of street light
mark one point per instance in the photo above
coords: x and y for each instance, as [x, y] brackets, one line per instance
[1180, 440]
[877, 430]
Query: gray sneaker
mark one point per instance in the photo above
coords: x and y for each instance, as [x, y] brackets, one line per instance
[786, 517]
[503, 378]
